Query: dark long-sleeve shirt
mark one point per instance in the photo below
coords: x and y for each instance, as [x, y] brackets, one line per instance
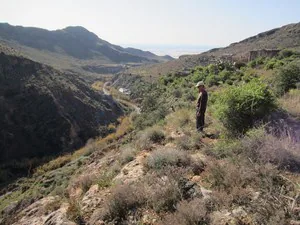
[202, 101]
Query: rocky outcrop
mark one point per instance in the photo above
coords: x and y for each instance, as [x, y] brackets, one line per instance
[46, 211]
[262, 53]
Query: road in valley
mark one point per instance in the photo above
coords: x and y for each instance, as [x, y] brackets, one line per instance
[130, 104]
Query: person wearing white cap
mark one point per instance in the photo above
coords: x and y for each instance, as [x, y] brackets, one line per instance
[201, 106]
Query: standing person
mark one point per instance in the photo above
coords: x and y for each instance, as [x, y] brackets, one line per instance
[201, 106]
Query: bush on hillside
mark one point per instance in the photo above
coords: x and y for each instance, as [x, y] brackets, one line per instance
[287, 78]
[273, 64]
[148, 137]
[123, 199]
[286, 53]
[239, 108]
[239, 65]
[198, 75]
[189, 213]
[211, 80]
[257, 62]
[154, 109]
[128, 154]
[163, 157]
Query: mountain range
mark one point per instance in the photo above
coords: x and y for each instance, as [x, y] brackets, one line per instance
[73, 48]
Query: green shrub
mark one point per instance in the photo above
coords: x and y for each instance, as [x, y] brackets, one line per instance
[270, 64]
[147, 119]
[239, 65]
[211, 80]
[156, 135]
[177, 93]
[225, 75]
[249, 75]
[256, 62]
[189, 95]
[273, 64]
[286, 53]
[239, 108]
[198, 75]
[287, 78]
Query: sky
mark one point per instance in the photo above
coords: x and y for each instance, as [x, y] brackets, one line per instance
[156, 23]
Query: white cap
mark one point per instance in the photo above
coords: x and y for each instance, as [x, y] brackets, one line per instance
[200, 83]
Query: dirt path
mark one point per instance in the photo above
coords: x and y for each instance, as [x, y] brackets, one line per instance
[105, 91]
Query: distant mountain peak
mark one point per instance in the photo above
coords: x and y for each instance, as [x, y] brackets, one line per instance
[81, 32]
[79, 28]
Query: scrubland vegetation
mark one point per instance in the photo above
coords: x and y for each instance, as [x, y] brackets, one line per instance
[239, 172]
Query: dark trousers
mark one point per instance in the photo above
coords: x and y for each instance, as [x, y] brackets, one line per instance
[200, 121]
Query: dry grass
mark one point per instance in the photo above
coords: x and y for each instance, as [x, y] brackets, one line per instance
[128, 154]
[124, 127]
[164, 157]
[52, 206]
[181, 119]
[90, 147]
[265, 148]
[291, 102]
[189, 213]
[190, 141]
[98, 85]
[54, 164]
[83, 182]
[261, 189]
[145, 139]
[123, 199]
[163, 193]
[74, 212]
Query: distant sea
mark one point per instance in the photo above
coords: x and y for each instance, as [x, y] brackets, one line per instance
[172, 50]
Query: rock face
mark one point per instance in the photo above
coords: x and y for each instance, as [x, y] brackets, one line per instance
[262, 53]
[41, 213]
[44, 111]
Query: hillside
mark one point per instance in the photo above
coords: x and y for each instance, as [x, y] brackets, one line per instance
[156, 169]
[152, 166]
[44, 111]
[73, 48]
[280, 38]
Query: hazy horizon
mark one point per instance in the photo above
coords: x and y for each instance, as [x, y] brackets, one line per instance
[172, 50]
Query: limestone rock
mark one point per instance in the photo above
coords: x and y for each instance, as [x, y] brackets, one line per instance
[132, 171]
[93, 199]
[37, 213]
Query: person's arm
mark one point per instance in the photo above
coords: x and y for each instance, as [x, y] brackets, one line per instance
[199, 101]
